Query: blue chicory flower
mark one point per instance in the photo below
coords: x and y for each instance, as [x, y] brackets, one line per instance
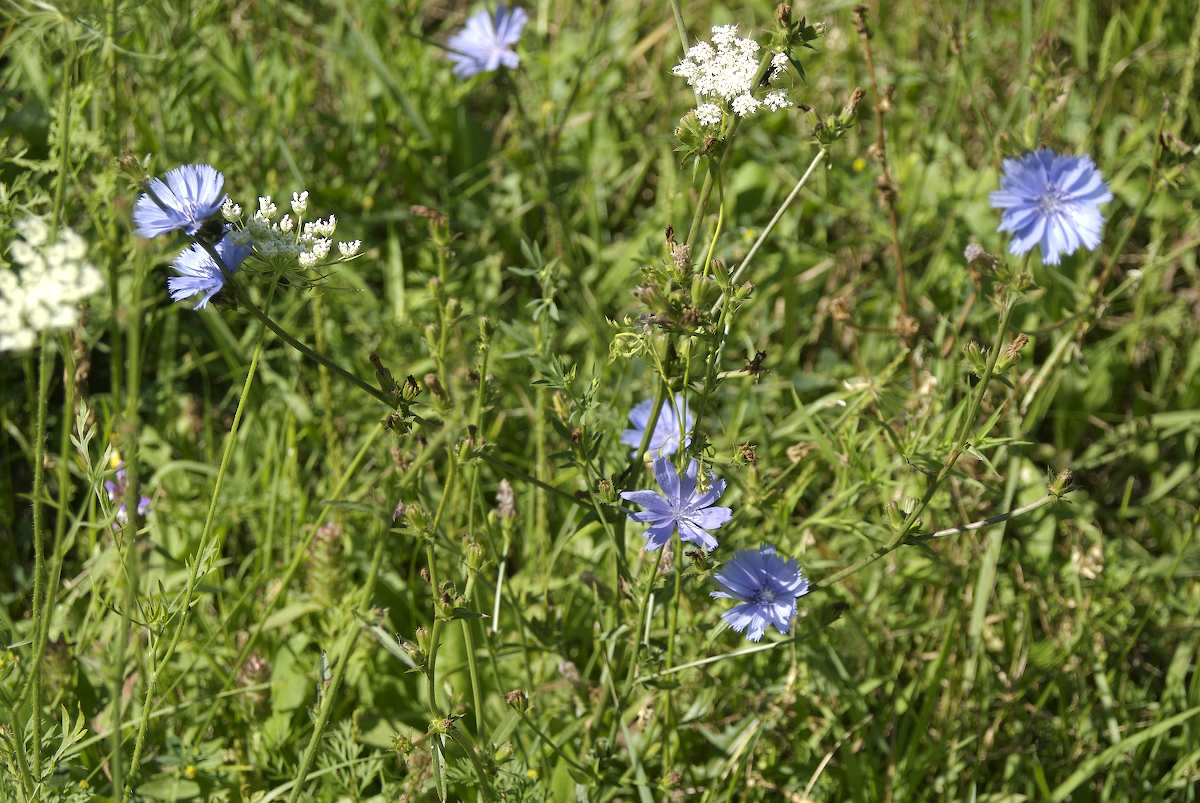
[1052, 201]
[190, 195]
[665, 438]
[486, 44]
[681, 506]
[768, 587]
[116, 494]
[199, 275]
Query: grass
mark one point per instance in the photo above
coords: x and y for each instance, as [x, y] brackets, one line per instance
[275, 629]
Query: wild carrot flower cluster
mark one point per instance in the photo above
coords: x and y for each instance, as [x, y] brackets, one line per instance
[725, 74]
[189, 198]
[54, 277]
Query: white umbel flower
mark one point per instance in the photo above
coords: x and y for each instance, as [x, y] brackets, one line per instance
[289, 238]
[776, 100]
[744, 105]
[708, 114]
[321, 246]
[45, 294]
[231, 211]
[779, 65]
[724, 75]
[266, 208]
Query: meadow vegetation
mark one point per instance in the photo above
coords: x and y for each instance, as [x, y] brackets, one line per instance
[396, 500]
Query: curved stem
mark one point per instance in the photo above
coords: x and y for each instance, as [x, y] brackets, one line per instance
[317, 357]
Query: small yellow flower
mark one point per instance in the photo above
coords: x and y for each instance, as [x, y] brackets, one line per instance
[115, 461]
[531, 774]
[83, 784]
[189, 771]
[859, 165]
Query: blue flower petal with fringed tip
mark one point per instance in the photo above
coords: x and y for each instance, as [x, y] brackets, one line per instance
[199, 275]
[1051, 201]
[189, 196]
[486, 43]
[681, 506]
[768, 587]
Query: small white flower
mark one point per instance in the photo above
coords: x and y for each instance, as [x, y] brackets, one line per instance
[321, 246]
[708, 114]
[286, 224]
[326, 227]
[73, 245]
[307, 259]
[34, 231]
[45, 294]
[349, 249]
[22, 253]
[776, 100]
[745, 105]
[779, 65]
[300, 202]
[230, 211]
[266, 208]
[724, 35]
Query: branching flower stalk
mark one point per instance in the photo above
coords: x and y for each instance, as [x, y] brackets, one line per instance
[1049, 499]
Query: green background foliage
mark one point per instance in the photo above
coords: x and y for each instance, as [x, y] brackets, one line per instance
[1050, 656]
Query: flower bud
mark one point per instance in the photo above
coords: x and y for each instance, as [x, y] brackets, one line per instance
[517, 699]
[1061, 484]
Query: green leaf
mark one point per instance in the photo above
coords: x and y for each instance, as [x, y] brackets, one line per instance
[1093, 764]
[163, 787]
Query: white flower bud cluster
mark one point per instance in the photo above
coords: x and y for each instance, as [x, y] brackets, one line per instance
[309, 242]
[45, 294]
[723, 74]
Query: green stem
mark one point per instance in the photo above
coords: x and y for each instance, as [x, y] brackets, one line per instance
[472, 666]
[203, 550]
[673, 626]
[45, 610]
[317, 357]
[558, 751]
[637, 640]
[300, 553]
[45, 365]
[960, 444]
[766, 232]
[129, 554]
